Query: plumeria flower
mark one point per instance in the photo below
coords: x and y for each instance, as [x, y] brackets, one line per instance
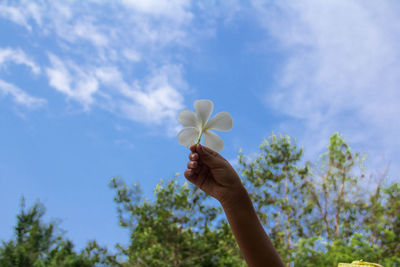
[198, 124]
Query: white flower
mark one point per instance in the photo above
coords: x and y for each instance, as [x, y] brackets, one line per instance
[198, 123]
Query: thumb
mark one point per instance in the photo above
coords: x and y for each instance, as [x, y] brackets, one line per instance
[208, 156]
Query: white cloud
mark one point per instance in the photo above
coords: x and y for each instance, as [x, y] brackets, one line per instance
[342, 72]
[19, 57]
[21, 12]
[131, 55]
[135, 26]
[14, 14]
[100, 45]
[154, 100]
[19, 96]
[86, 30]
[71, 80]
[139, 34]
[172, 9]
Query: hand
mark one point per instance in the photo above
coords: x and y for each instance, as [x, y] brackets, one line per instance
[213, 174]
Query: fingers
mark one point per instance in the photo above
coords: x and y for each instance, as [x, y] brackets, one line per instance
[189, 173]
[212, 152]
[192, 164]
[197, 176]
[191, 176]
[199, 149]
[193, 156]
[193, 148]
[206, 150]
[208, 156]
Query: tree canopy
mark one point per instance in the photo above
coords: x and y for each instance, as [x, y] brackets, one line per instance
[316, 214]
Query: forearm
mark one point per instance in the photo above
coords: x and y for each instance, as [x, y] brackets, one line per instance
[253, 241]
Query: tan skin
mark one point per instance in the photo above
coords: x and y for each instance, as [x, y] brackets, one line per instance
[213, 174]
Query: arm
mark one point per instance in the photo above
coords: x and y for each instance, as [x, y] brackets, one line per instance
[214, 175]
[253, 242]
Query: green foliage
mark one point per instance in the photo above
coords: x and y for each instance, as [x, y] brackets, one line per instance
[334, 191]
[383, 223]
[317, 214]
[179, 228]
[39, 244]
[275, 181]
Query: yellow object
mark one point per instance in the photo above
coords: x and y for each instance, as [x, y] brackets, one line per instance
[359, 263]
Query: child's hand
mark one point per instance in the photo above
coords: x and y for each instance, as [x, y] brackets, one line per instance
[213, 174]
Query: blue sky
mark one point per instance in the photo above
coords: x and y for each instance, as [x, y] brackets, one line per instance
[90, 90]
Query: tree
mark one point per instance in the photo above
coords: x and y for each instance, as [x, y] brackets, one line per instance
[334, 190]
[275, 181]
[377, 242]
[347, 221]
[382, 226]
[38, 244]
[315, 213]
[179, 228]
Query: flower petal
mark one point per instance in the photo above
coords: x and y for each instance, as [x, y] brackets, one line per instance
[213, 141]
[188, 118]
[188, 136]
[204, 108]
[221, 122]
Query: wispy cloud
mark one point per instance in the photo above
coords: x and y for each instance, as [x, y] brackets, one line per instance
[85, 29]
[152, 100]
[19, 96]
[21, 16]
[342, 72]
[72, 81]
[17, 56]
[177, 10]
[155, 99]
[98, 52]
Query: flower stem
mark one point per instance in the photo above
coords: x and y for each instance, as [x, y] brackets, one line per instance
[198, 140]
